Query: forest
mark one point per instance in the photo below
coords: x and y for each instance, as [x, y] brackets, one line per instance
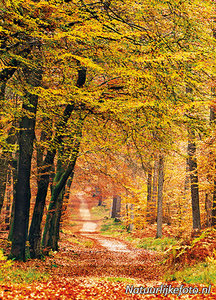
[107, 120]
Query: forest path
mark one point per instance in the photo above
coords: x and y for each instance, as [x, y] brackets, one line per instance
[90, 227]
[85, 215]
[85, 252]
[91, 266]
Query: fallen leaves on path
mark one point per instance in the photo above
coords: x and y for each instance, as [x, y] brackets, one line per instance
[84, 288]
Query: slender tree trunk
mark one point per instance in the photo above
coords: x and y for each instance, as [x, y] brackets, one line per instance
[116, 207]
[149, 195]
[160, 196]
[99, 193]
[192, 163]
[8, 200]
[23, 193]
[214, 205]
[3, 179]
[55, 227]
[14, 170]
[154, 191]
[212, 121]
[67, 191]
[208, 209]
[35, 228]
[131, 224]
[43, 182]
[5, 75]
[57, 189]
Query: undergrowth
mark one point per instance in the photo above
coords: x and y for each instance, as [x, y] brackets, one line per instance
[115, 228]
[8, 273]
[99, 212]
[193, 260]
[81, 242]
[151, 243]
[119, 279]
[112, 227]
[204, 272]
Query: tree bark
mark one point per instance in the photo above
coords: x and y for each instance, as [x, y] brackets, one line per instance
[3, 180]
[192, 163]
[57, 189]
[8, 200]
[5, 75]
[154, 191]
[15, 163]
[23, 193]
[208, 209]
[131, 224]
[55, 223]
[214, 205]
[160, 196]
[43, 182]
[116, 207]
[212, 121]
[149, 195]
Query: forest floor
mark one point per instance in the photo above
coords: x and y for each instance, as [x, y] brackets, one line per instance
[90, 266]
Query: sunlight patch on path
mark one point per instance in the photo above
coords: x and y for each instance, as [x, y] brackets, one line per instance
[86, 216]
[112, 245]
[89, 227]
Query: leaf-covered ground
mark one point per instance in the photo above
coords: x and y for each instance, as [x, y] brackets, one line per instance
[84, 269]
[81, 288]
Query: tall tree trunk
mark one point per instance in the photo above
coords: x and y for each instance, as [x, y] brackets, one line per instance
[149, 195]
[160, 196]
[192, 163]
[67, 191]
[55, 227]
[212, 121]
[57, 189]
[14, 170]
[154, 191]
[23, 193]
[3, 179]
[131, 217]
[214, 205]
[5, 75]
[116, 207]
[43, 182]
[8, 201]
[208, 209]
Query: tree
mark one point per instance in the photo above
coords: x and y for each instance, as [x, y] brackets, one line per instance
[51, 233]
[194, 181]
[23, 192]
[116, 207]
[160, 196]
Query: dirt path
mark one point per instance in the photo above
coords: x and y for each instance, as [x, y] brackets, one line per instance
[111, 245]
[110, 257]
[85, 215]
